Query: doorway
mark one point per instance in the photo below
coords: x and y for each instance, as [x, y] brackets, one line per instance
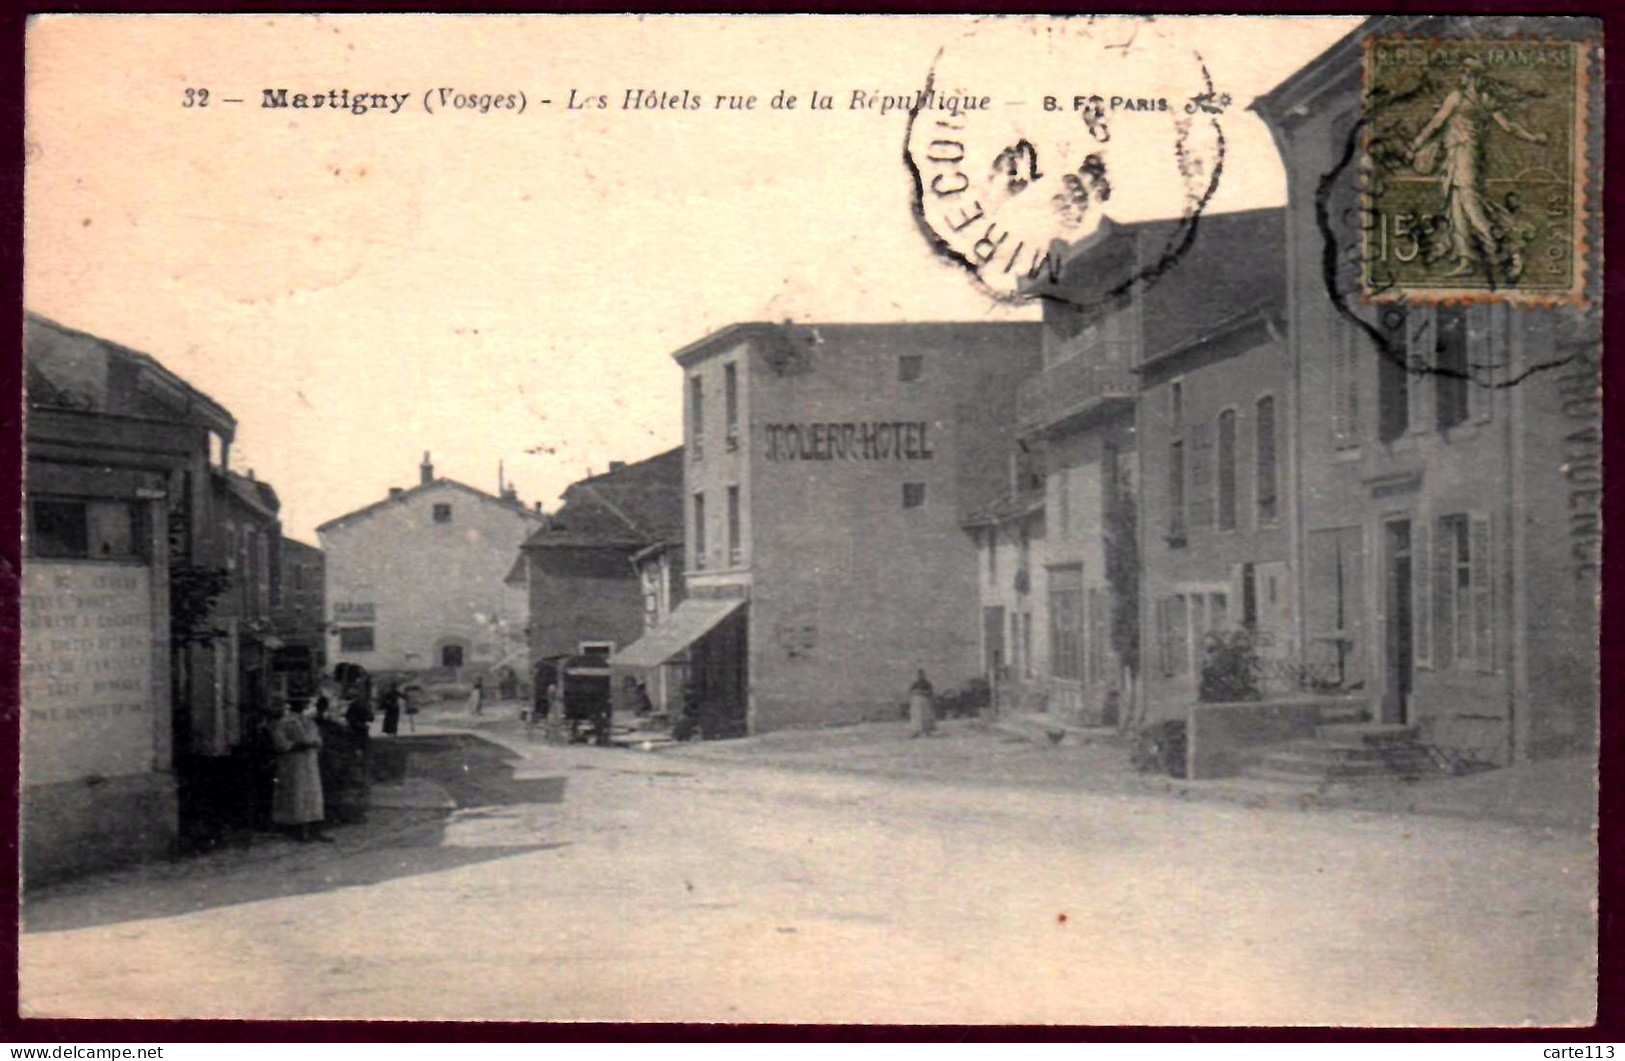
[993, 654]
[1400, 667]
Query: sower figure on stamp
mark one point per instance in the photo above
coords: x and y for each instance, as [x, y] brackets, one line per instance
[922, 708]
[1453, 142]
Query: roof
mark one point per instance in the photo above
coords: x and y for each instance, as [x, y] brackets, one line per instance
[59, 376]
[810, 331]
[295, 545]
[1006, 509]
[628, 507]
[251, 492]
[1221, 270]
[376, 507]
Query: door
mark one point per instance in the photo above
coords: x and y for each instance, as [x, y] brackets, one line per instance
[993, 655]
[1400, 666]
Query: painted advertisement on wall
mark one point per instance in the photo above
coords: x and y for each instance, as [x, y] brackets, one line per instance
[86, 671]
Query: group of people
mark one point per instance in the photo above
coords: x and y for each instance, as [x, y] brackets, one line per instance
[320, 744]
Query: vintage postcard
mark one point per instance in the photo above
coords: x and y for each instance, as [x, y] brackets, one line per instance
[797, 519]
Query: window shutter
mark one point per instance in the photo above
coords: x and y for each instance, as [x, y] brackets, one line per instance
[1483, 576]
[1421, 331]
[1483, 362]
[1422, 584]
[1164, 638]
[1444, 568]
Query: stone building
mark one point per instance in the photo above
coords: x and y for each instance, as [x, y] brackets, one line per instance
[116, 641]
[828, 469]
[1446, 463]
[585, 592]
[417, 582]
[298, 613]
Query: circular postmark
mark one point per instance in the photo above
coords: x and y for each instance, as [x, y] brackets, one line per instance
[1094, 117]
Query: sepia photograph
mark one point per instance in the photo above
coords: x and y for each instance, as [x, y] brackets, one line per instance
[811, 519]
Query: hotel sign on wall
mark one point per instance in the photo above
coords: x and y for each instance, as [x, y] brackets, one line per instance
[873, 440]
[86, 671]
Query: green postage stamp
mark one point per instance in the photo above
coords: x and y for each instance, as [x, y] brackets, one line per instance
[1473, 173]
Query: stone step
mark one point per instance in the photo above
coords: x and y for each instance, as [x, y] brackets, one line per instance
[1323, 767]
[1366, 733]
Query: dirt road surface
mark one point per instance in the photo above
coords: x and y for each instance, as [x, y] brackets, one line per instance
[577, 883]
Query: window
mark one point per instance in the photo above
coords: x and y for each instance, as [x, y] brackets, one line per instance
[1063, 499]
[442, 513]
[604, 649]
[730, 395]
[356, 639]
[262, 577]
[1176, 404]
[993, 556]
[1393, 377]
[1264, 454]
[86, 530]
[1450, 369]
[1345, 385]
[1176, 493]
[1066, 622]
[699, 531]
[913, 495]
[696, 416]
[1227, 470]
[735, 551]
[1463, 599]
[1015, 642]
[1027, 644]
[1183, 622]
[1111, 478]
[909, 367]
[1099, 615]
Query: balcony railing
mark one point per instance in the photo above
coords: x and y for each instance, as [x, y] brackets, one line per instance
[1072, 388]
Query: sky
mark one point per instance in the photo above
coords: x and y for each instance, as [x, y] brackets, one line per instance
[509, 287]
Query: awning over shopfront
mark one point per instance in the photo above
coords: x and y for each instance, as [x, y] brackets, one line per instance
[693, 619]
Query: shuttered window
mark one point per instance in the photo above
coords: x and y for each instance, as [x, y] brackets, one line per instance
[1066, 622]
[1422, 586]
[1464, 593]
[1227, 470]
[1264, 452]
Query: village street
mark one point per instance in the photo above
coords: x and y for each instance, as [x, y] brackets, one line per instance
[697, 884]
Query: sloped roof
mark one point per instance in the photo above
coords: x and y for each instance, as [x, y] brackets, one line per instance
[61, 375]
[253, 493]
[1005, 509]
[1215, 271]
[629, 507]
[376, 507]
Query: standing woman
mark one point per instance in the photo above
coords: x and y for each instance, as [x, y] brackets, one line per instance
[922, 712]
[476, 697]
[297, 802]
[391, 703]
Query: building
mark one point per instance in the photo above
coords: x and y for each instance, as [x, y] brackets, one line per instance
[1212, 365]
[660, 575]
[1446, 495]
[116, 599]
[1079, 413]
[298, 612]
[246, 513]
[1010, 534]
[417, 582]
[586, 595]
[828, 469]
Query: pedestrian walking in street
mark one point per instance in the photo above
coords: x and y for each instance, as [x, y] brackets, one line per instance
[297, 799]
[391, 704]
[922, 710]
[476, 697]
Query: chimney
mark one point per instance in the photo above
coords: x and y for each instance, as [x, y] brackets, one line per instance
[426, 469]
[395, 492]
[539, 508]
[616, 466]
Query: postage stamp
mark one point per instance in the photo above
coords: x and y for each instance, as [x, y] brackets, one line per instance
[1473, 170]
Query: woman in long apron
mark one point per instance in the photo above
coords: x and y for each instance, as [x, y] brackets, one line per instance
[297, 802]
[922, 709]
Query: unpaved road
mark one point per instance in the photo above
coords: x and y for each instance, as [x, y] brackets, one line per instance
[587, 884]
